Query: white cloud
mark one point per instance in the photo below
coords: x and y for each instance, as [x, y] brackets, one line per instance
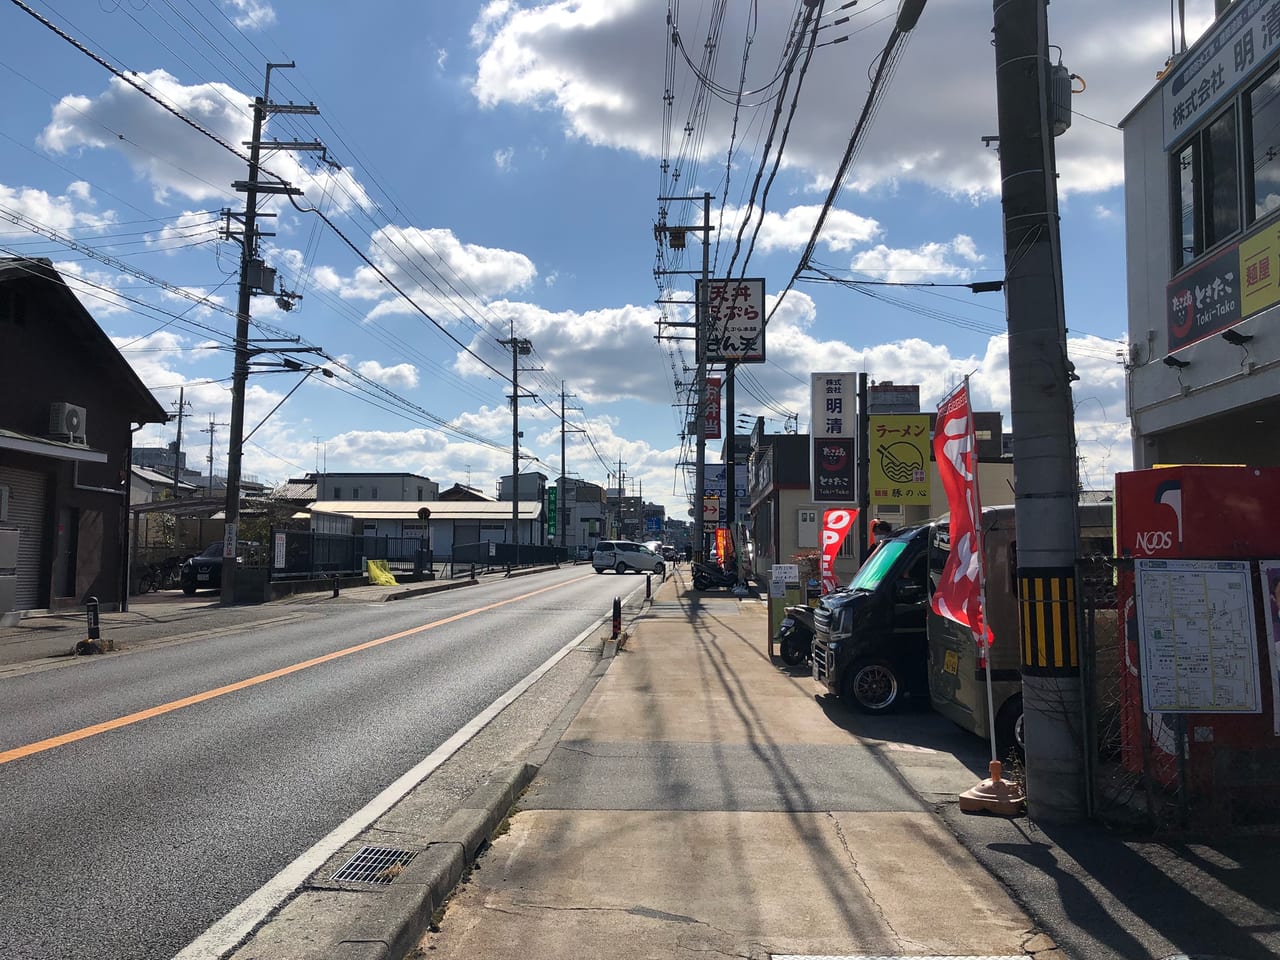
[399, 375]
[790, 229]
[73, 210]
[172, 156]
[251, 14]
[926, 262]
[502, 159]
[581, 59]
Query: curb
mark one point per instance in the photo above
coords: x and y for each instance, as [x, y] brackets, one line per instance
[388, 923]
[524, 572]
[435, 588]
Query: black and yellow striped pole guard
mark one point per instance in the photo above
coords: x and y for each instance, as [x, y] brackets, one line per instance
[1047, 612]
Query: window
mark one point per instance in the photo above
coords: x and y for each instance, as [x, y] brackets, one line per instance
[1206, 179]
[375, 493]
[1262, 115]
[355, 493]
[337, 493]
[419, 493]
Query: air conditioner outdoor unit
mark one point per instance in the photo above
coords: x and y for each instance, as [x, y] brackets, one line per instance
[67, 422]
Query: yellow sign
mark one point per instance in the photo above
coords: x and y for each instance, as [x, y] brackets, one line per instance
[899, 444]
[1259, 271]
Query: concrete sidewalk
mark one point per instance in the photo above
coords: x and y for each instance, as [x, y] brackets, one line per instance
[703, 801]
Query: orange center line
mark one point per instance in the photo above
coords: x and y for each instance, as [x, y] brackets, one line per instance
[30, 749]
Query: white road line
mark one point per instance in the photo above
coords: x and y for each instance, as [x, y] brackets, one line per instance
[226, 934]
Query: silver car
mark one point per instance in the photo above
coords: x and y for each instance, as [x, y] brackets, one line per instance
[623, 555]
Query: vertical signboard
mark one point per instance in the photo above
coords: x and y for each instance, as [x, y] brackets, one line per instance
[711, 410]
[833, 419]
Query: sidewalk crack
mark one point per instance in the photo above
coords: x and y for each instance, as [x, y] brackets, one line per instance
[903, 944]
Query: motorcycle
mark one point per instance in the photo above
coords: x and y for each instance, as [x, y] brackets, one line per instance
[711, 576]
[795, 635]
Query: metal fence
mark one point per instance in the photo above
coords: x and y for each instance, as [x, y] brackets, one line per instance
[488, 553]
[307, 554]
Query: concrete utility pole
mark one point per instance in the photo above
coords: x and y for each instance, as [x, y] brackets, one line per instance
[562, 506]
[254, 278]
[1043, 417]
[675, 237]
[177, 448]
[211, 430]
[519, 348]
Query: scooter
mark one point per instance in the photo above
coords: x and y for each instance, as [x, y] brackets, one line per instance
[711, 576]
[795, 635]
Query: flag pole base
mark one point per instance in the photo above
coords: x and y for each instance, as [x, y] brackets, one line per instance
[994, 795]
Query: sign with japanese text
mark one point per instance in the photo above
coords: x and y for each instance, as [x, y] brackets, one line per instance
[833, 422]
[734, 321]
[551, 509]
[959, 594]
[1242, 40]
[711, 409]
[833, 404]
[714, 485]
[1260, 270]
[1204, 300]
[833, 470]
[711, 510]
[899, 468]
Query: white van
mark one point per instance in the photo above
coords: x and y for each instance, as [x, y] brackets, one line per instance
[623, 555]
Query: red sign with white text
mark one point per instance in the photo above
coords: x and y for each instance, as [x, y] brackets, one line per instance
[955, 448]
[711, 405]
[836, 525]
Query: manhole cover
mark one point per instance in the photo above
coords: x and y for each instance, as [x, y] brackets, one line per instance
[374, 865]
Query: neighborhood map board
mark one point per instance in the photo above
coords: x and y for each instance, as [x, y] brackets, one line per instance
[1198, 636]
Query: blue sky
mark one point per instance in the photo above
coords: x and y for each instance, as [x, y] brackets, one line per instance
[501, 162]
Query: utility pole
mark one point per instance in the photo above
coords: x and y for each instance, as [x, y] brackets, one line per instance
[255, 277]
[520, 347]
[177, 448]
[676, 238]
[211, 430]
[562, 504]
[1043, 418]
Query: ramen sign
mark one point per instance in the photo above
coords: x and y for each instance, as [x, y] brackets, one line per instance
[899, 467]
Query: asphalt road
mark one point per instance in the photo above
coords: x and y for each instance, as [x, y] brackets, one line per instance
[130, 841]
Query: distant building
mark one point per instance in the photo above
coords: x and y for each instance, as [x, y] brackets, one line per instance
[531, 486]
[375, 486]
[460, 491]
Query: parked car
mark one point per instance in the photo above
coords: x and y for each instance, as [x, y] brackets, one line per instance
[870, 647]
[204, 570]
[623, 555]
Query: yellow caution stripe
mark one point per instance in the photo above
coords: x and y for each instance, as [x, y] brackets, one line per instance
[1047, 614]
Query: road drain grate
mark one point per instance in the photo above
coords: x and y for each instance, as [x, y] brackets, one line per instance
[374, 865]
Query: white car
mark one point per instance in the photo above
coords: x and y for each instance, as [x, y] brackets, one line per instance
[623, 555]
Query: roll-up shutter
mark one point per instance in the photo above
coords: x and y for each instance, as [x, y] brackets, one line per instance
[27, 515]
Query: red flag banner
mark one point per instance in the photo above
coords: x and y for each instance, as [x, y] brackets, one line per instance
[958, 596]
[836, 525]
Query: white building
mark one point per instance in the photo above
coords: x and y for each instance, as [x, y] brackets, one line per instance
[1202, 216]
